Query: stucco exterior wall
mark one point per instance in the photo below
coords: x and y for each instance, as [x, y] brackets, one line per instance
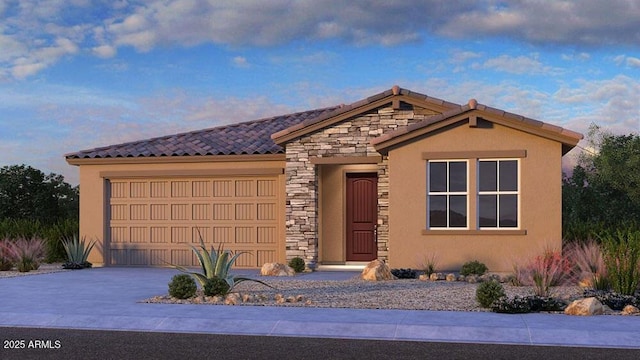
[540, 201]
[94, 199]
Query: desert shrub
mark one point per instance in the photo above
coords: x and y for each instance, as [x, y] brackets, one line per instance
[612, 299]
[514, 305]
[547, 270]
[28, 253]
[622, 259]
[6, 255]
[428, 264]
[54, 235]
[588, 264]
[77, 252]
[51, 233]
[474, 267]
[404, 273]
[182, 286]
[216, 286]
[542, 271]
[527, 304]
[488, 292]
[297, 264]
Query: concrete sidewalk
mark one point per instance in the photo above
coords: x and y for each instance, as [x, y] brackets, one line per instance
[107, 299]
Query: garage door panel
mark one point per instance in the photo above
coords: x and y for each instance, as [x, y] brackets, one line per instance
[154, 222]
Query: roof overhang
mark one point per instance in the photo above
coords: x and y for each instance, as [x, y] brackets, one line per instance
[174, 159]
[470, 113]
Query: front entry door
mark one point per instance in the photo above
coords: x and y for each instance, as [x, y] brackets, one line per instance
[362, 214]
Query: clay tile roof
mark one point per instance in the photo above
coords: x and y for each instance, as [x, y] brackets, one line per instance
[252, 137]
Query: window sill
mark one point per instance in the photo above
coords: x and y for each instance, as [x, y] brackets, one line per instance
[474, 232]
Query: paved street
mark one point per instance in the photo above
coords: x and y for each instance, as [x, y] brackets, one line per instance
[94, 344]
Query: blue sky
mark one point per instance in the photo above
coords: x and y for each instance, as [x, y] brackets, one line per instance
[77, 74]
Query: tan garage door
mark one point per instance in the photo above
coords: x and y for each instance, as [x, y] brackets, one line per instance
[152, 222]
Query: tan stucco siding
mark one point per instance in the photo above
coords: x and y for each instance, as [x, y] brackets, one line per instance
[540, 200]
[94, 200]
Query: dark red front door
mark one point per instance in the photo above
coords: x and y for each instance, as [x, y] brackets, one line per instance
[362, 215]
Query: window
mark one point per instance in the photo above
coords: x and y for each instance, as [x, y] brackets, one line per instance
[447, 194]
[498, 194]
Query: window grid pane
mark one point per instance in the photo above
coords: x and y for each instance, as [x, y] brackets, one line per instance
[498, 194]
[447, 194]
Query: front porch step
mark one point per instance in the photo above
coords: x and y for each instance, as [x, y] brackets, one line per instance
[355, 266]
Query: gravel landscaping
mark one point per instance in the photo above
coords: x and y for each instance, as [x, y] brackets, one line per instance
[360, 294]
[44, 269]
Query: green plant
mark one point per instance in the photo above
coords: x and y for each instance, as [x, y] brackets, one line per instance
[28, 253]
[182, 286]
[588, 264]
[488, 292]
[474, 267]
[216, 286]
[77, 252]
[622, 259]
[297, 264]
[216, 264]
[6, 255]
[428, 264]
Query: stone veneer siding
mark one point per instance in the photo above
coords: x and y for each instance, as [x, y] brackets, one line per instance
[347, 138]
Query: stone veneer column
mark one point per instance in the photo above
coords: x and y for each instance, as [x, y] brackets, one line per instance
[301, 205]
[348, 138]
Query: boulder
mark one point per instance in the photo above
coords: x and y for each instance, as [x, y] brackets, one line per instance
[433, 277]
[276, 269]
[451, 277]
[585, 307]
[376, 270]
[630, 310]
[423, 277]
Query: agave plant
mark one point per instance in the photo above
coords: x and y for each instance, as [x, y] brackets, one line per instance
[77, 252]
[216, 264]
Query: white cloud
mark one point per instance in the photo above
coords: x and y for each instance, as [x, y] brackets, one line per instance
[104, 51]
[633, 62]
[102, 27]
[516, 64]
[240, 61]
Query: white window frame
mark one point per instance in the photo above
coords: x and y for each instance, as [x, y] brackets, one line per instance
[447, 193]
[497, 192]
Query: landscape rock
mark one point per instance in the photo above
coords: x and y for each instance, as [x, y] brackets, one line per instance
[376, 270]
[232, 299]
[423, 277]
[471, 279]
[433, 277]
[451, 277]
[276, 269]
[585, 307]
[630, 310]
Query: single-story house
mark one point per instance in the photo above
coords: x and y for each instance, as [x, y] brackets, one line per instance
[398, 176]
